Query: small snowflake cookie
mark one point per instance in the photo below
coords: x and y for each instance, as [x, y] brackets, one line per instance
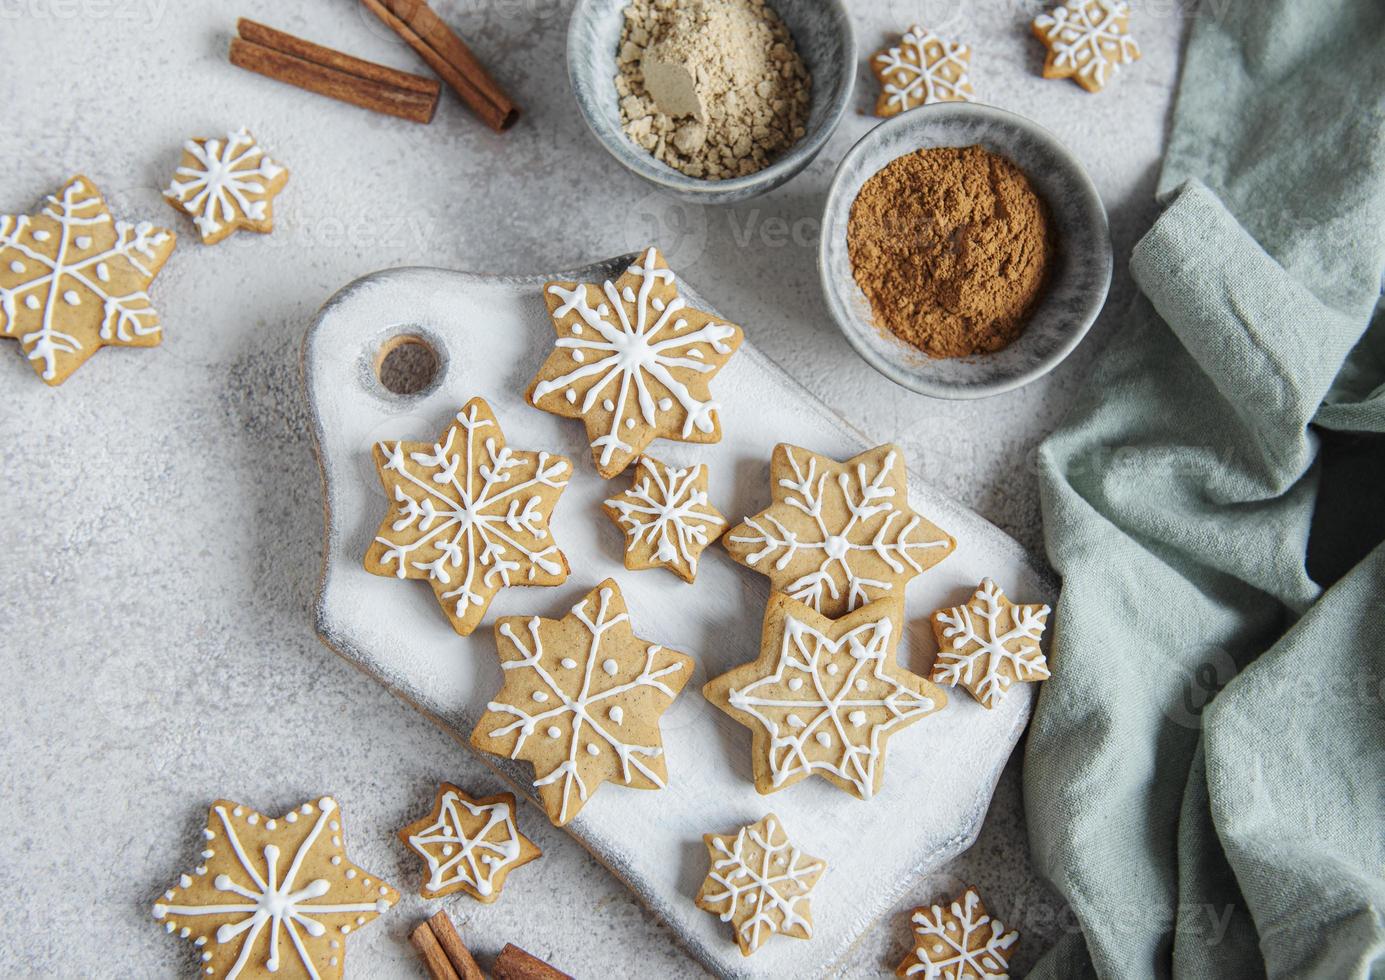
[469, 515]
[666, 517]
[581, 701]
[924, 69]
[273, 896]
[470, 844]
[958, 941]
[760, 883]
[989, 643]
[226, 185]
[825, 695]
[73, 279]
[1087, 41]
[633, 361]
[838, 535]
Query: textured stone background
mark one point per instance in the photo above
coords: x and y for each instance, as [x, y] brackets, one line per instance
[162, 530]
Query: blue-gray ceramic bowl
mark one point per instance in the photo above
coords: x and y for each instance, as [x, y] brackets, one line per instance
[1077, 283]
[821, 30]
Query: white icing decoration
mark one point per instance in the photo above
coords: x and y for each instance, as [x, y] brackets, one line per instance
[779, 898]
[1087, 37]
[222, 183]
[976, 648]
[616, 714]
[924, 69]
[471, 858]
[952, 949]
[666, 508]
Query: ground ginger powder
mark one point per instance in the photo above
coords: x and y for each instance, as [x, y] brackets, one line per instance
[951, 247]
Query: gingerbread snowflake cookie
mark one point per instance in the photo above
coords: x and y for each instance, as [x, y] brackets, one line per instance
[225, 185]
[838, 534]
[469, 844]
[666, 517]
[273, 896]
[989, 643]
[73, 279]
[1087, 41]
[633, 361]
[923, 69]
[581, 701]
[469, 515]
[825, 695]
[760, 883]
[957, 940]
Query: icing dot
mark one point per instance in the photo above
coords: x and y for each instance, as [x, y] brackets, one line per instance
[184, 881]
[609, 666]
[345, 930]
[41, 235]
[554, 731]
[200, 941]
[237, 812]
[336, 842]
[665, 404]
[336, 859]
[568, 662]
[384, 890]
[629, 423]
[16, 266]
[577, 329]
[71, 298]
[752, 898]
[332, 961]
[860, 683]
[334, 943]
[833, 669]
[306, 808]
[836, 547]
[578, 356]
[82, 241]
[103, 272]
[616, 714]
[335, 826]
[360, 920]
[608, 405]
[937, 947]
[208, 833]
[291, 816]
[571, 396]
[350, 872]
[31, 302]
[447, 850]
[206, 957]
[270, 825]
[366, 882]
[209, 854]
[823, 739]
[794, 721]
[627, 294]
[857, 718]
[540, 696]
[795, 683]
[200, 870]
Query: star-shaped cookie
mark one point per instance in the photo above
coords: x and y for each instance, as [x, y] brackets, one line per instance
[957, 940]
[633, 361]
[825, 695]
[989, 643]
[225, 185]
[469, 515]
[73, 280]
[923, 69]
[273, 897]
[1087, 41]
[760, 883]
[581, 701]
[666, 517]
[470, 844]
[838, 534]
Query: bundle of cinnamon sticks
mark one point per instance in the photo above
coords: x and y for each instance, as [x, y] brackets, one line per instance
[447, 958]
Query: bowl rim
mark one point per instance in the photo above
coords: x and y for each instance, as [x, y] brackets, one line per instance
[847, 322]
[630, 155]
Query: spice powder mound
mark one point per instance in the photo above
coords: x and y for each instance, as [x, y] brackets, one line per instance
[951, 247]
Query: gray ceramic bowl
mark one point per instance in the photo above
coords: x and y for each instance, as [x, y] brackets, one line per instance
[1077, 284]
[826, 41]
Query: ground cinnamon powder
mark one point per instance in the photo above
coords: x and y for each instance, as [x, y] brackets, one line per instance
[951, 246]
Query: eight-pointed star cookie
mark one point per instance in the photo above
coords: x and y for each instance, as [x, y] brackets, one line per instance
[825, 695]
[1087, 41]
[581, 701]
[471, 515]
[73, 279]
[838, 534]
[469, 843]
[923, 69]
[760, 883]
[226, 184]
[958, 941]
[273, 897]
[989, 643]
[666, 517]
[633, 361]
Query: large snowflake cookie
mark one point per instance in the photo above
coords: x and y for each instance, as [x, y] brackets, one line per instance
[1087, 41]
[273, 897]
[838, 534]
[633, 361]
[470, 844]
[226, 184]
[825, 695]
[666, 517]
[760, 883]
[581, 701]
[470, 515]
[73, 279]
[989, 643]
[923, 69]
[958, 941]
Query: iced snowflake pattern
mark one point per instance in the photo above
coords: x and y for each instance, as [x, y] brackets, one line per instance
[959, 941]
[471, 515]
[924, 69]
[666, 517]
[226, 184]
[469, 844]
[1087, 40]
[988, 643]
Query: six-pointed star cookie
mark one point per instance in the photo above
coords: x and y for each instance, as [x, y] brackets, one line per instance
[923, 69]
[581, 701]
[1087, 41]
[226, 184]
[838, 534]
[989, 643]
[958, 941]
[273, 897]
[470, 515]
[666, 517]
[73, 279]
[470, 844]
[760, 883]
[633, 361]
[825, 695]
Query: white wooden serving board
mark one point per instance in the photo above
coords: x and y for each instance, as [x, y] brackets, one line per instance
[491, 334]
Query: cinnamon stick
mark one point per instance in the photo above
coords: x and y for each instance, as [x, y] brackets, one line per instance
[462, 962]
[447, 54]
[434, 959]
[514, 963]
[326, 71]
